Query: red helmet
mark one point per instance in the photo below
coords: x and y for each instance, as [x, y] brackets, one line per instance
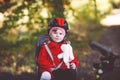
[58, 22]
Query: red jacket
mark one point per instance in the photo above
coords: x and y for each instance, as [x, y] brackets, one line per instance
[45, 61]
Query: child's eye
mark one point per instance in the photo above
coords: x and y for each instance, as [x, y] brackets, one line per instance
[55, 32]
[60, 33]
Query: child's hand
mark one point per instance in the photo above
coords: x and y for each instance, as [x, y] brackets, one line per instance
[72, 66]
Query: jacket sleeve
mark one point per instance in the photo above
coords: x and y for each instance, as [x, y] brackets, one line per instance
[44, 59]
[75, 61]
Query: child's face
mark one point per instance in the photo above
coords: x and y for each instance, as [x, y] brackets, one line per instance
[57, 35]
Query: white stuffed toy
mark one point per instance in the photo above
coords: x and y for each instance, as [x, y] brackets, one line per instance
[67, 54]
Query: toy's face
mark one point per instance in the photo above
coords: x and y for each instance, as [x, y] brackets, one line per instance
[57, 35]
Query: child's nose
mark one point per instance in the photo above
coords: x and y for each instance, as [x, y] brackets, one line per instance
[57, 35]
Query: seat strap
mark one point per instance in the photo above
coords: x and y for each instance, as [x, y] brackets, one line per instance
[50, 54]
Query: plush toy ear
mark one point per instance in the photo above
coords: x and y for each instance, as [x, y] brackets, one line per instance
[70, 52]
[63, 48]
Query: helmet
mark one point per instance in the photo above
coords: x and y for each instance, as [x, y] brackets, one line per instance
[58, 22]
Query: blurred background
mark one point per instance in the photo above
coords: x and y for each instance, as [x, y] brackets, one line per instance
[22, 21]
